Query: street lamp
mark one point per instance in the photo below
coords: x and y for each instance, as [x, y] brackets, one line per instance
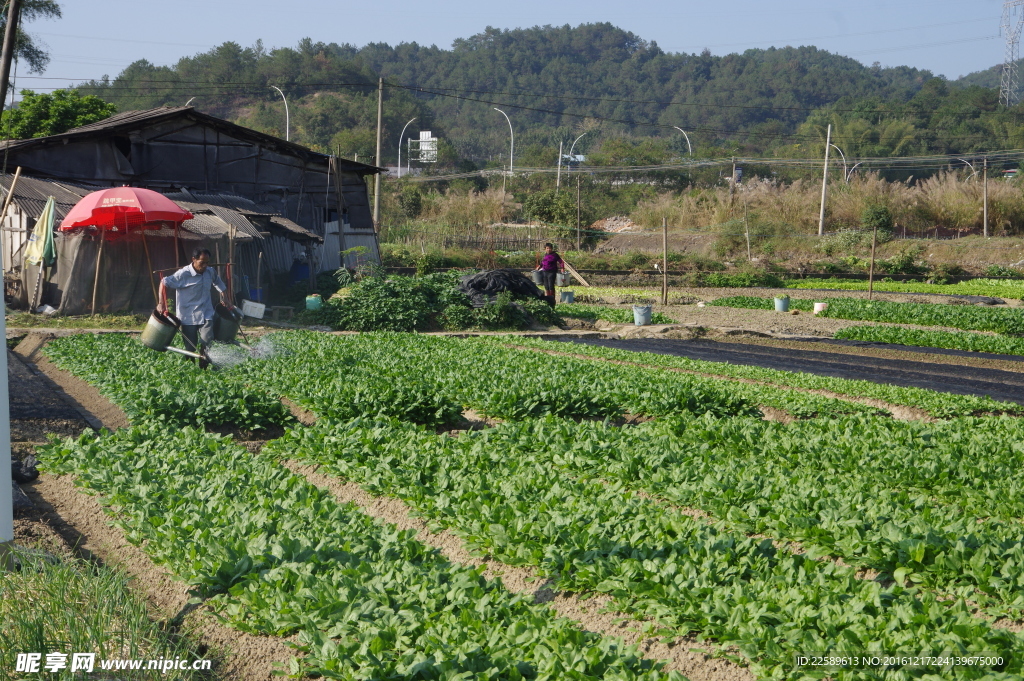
[511, 146]
[845, 175]
[972, 168]
[687, 138]
[574, 144]
[400, 137]
[287, 118]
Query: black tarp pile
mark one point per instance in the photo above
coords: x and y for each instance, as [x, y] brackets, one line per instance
[483, 287]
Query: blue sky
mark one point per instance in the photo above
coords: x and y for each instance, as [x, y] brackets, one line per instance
[948, 37]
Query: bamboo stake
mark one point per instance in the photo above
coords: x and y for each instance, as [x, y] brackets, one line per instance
[871, 268]
[10, 193]
[3, 212]
[96, 276]
[664, 261]
[149, 265]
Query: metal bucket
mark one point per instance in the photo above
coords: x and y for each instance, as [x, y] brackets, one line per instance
[561, 279]
[225, 324]
[782, 304]
[568, 297]
[641, 315]
[159, 331]
[537, 277]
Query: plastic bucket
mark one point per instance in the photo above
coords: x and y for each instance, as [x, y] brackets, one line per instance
[256, 295]
[561, 279]
[820, 307]
[313, 302]
[225, 325]
[568, 297]
[537, 277]
[782, 304]
[159, 331]
[641, 315]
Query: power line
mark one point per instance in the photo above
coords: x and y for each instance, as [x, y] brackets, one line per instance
[875, 163]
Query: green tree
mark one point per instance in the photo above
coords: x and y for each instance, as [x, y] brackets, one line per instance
[551, 207]
[39, 115]
[26, 47]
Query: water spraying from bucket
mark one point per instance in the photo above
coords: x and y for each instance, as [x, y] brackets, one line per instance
[227, 355]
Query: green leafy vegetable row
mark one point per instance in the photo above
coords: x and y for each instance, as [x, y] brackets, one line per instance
[165, 387]
[431, 379]
[277, 556]
[968, 317]
[504, 492]
[1006, 288]
[938, 504]
[938, 404]
[954, 340]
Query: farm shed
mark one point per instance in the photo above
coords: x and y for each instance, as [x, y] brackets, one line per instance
[126, 279]
[179, 149]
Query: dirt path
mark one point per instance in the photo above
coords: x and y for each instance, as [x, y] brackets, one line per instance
[86, 400]
[981, 360]
[956, 379]
[679, 654]
[766, 321]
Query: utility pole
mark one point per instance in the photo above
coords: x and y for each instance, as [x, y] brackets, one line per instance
[732, 182]
[376, 160]
[558, 176]
[871, 267]
[664, 261]
[746, 225]
[6, 482]
[579, 243]
[7, 55]
[984, 191]
[824, 183]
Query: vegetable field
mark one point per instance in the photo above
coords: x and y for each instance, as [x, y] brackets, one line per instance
[652, 483]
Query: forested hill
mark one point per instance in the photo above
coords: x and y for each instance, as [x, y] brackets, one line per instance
[988, 78]
[593, 76]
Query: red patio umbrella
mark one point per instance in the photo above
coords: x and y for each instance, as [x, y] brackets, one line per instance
[120, 208]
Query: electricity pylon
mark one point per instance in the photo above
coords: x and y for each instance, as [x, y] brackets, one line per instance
[1013, 21]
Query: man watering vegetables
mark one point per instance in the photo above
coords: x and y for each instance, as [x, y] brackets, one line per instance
[193, 299]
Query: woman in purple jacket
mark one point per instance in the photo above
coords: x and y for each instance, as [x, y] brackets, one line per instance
[550, 265]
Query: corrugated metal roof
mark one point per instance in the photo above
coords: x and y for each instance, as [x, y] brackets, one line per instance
[236, 220]
[31, 194]
[137, 119]
[296, 229]
[234, 202]
[128, 118]
[204, 223]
